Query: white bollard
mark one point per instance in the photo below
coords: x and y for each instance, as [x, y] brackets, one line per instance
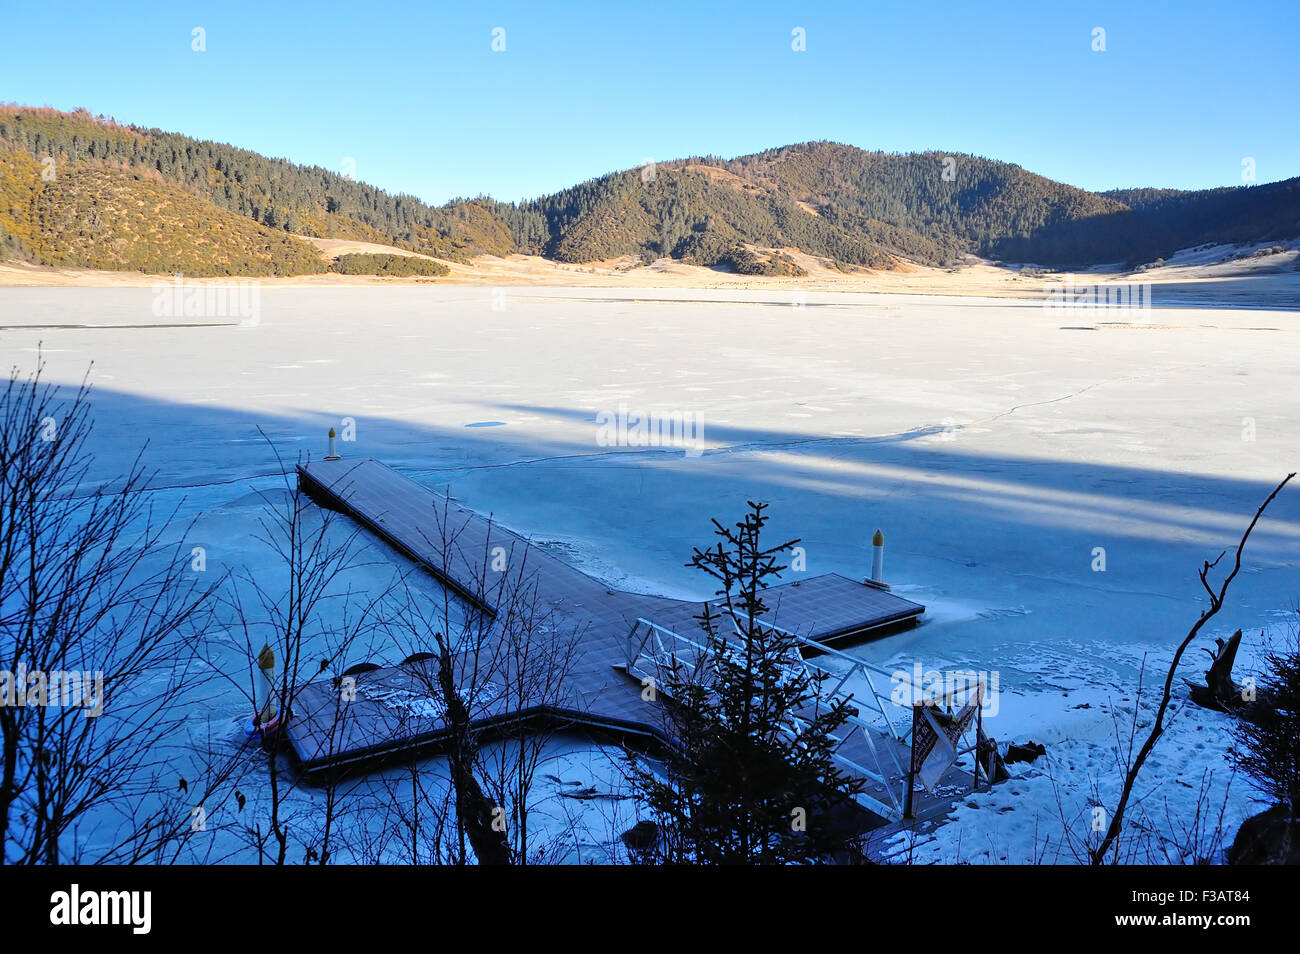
[878, 557]
[333, 454]
[266, 712]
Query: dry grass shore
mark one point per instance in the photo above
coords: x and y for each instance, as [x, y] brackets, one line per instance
[1224, 274]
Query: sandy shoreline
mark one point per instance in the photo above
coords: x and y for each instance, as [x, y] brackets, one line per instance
[1215, 276]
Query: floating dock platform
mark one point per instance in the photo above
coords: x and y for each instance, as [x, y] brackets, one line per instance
[395, 708]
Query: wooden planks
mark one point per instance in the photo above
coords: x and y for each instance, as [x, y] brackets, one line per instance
[395, 708]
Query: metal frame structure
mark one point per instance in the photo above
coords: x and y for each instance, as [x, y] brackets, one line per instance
[867, 731]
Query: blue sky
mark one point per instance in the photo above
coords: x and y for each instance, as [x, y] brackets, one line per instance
[418, 99]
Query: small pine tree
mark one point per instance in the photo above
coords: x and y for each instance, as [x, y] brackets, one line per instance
[751, 778]
[1267, 739]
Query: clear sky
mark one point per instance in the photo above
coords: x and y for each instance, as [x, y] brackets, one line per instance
[418, 99]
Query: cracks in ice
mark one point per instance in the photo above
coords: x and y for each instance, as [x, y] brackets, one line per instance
[1065, 397]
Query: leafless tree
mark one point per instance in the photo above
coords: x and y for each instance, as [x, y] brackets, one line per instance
[1107, 845]
[308, 618]
[456, 672]
[538, 652]
[498, 656]
[412, 817]
[99, 619]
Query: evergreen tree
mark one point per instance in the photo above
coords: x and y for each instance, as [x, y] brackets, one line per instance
[750, 778]
[1267, 737]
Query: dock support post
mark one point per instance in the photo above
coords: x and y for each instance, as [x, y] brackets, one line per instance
[878, 557]
[333, 454]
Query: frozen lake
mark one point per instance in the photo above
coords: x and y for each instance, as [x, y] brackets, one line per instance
[1000, 447]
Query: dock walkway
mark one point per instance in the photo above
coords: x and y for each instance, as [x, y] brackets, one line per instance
[395, 709]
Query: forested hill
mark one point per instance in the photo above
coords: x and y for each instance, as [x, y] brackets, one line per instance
[865, 208]
[854, 207]
[277, 198]
[76, 189]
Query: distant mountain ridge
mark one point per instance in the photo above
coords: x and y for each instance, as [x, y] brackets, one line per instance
[127, 197]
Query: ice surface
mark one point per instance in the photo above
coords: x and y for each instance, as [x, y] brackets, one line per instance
[996, 444]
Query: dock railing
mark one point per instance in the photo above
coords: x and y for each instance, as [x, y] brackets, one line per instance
[876, 730]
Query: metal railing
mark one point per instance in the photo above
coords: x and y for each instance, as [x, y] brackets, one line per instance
[869, 743]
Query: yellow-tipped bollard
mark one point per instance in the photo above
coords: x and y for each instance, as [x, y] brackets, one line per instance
[333, 454]
[878, 557]
[266, 711]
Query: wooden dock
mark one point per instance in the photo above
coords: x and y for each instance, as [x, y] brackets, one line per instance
[395, 709]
